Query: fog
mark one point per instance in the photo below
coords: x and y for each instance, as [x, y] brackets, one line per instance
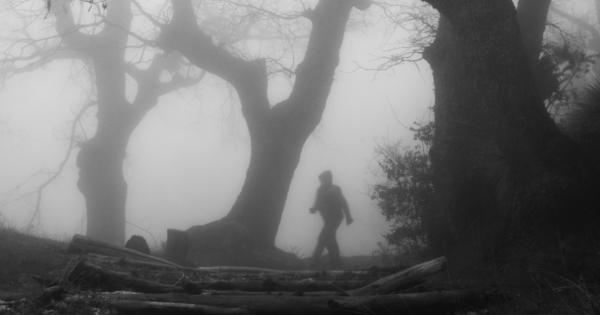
[187, 159]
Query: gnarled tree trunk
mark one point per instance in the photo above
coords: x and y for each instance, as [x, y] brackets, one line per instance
[277, 133]
[100, 159]
[504, 176]
[102, 183]
[260, 204]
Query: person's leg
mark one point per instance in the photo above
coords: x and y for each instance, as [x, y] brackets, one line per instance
[334, 253]
[332, 245]
[321, 241]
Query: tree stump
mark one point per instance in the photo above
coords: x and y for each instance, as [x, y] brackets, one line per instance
[177, 246]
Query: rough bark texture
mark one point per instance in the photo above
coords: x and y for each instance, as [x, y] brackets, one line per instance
[502, 170]
[407, 278]
[440, 302]
[277, 133]
[100, 159]
[83, 245]
[151, 307]
[532, 16]
[89, 275]
[101, 181]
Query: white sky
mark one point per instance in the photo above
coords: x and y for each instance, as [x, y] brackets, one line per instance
[187, 160]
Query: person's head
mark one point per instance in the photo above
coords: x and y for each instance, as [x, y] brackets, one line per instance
[326, 178]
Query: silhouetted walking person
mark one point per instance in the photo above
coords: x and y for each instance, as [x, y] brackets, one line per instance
[332, 205]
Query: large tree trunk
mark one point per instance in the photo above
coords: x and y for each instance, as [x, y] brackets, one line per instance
[248, 231]
[260, 204]
[100, 159]
[502, 170]
[102, 183]
[532, 16]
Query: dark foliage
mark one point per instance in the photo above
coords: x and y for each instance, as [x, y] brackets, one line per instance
[562, 68]
[583, 121]
[406, 192]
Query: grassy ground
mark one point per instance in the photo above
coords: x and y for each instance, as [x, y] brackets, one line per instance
[531, 292]
[23, 256]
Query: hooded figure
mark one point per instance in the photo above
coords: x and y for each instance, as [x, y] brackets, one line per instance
[332, 205]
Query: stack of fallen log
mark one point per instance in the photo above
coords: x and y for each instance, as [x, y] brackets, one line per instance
[131, 282]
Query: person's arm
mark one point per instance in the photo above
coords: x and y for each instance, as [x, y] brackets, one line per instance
[345, 208]
[315, 206]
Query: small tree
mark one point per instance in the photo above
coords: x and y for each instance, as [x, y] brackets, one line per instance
[405, 194]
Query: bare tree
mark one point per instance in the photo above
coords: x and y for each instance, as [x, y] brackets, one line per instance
[105, 43]
[277, 132]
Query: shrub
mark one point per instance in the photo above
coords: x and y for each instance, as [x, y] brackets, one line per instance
[406, 190]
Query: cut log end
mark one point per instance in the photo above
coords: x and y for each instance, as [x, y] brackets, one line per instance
[404, 279]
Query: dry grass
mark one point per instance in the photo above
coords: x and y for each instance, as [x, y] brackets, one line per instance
[22, 256]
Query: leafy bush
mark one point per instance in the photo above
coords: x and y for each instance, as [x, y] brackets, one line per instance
[582, 122]
[407, 189]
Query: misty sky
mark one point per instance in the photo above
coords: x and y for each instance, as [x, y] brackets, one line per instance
[187, 160]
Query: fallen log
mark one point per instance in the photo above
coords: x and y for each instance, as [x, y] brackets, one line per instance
[297, 273]
[239, 269]
[274, 293]
[99, 251]
[259, 270]
[150, 307]
[403, 279]
[88, 275]
[412, 303]
[229, 270]
[83, 245]
[281, 286]
[276, 273]
[133, 262]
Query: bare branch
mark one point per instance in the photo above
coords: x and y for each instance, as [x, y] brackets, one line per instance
[148, 15]
[248, 78]
[268, 13]
[68, 31]
[20, 64]
[150, 87]
[184, 35]
[418, 20]
[579, 22]
[179, 82]
[55, 174]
